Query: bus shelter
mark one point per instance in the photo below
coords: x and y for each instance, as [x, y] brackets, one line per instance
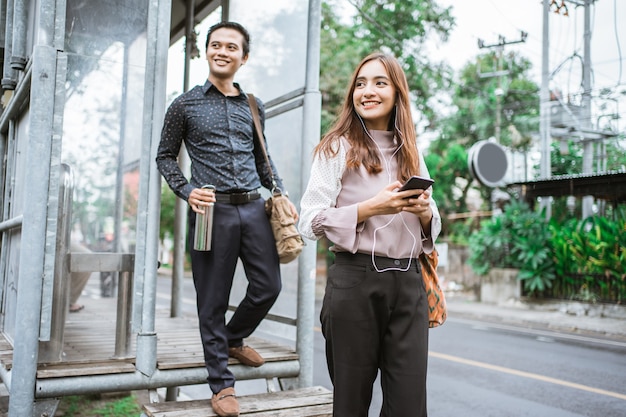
[83, 99]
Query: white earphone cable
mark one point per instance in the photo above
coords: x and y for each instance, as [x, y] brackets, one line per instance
[387, 160]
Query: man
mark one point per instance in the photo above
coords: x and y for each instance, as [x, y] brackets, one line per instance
[215, 123]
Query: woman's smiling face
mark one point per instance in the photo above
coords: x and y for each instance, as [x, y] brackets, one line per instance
[374, 95]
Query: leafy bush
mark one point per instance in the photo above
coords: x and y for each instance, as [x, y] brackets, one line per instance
[490, 246]
[590, 255]
[518, 238]
[581, 259]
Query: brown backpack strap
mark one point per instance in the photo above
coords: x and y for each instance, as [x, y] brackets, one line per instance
[254, 109]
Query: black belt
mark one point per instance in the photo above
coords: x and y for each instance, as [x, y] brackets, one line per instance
[382, 262]
[237, 198]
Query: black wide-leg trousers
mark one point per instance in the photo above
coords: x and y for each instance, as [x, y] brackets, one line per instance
[376, 321]
[240, 231]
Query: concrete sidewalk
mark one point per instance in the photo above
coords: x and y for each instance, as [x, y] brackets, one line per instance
[591, 319]
[599, 320]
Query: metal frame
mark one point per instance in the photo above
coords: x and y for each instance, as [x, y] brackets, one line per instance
[32, 250]
[43, 260]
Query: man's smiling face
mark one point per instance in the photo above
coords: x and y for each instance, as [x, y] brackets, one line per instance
[225, 53]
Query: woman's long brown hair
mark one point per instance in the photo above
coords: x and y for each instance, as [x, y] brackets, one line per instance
[349, 125]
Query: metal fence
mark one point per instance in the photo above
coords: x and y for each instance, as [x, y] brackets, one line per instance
[593, 288]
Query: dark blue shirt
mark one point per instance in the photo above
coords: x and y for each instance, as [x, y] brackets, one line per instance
[218, 132]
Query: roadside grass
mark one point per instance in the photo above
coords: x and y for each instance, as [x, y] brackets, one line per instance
[99, 406]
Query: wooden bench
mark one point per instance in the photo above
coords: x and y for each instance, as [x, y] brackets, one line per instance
[302, 402]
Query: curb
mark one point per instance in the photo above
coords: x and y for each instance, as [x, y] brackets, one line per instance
[572, 317]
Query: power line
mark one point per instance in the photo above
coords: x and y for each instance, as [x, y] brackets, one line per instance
[502, 42]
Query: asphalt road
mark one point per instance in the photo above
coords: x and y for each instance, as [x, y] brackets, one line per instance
[483, 369]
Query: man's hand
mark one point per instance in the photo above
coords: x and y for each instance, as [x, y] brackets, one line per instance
[200, 198]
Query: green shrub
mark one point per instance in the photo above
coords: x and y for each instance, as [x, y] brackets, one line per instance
[590, 256]
[518, 238]
[579, 259]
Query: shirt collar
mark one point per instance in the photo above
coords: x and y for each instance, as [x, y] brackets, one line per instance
[208, 84]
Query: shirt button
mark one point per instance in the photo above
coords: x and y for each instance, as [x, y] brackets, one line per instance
[396, 262]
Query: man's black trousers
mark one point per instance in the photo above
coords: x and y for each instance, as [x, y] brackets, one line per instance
[240, 231]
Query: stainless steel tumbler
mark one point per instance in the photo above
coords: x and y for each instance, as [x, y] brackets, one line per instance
[204, 227]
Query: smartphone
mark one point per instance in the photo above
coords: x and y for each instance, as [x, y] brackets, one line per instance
[416, 182]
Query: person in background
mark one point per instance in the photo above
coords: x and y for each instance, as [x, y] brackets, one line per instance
[78, 279]
[215, 123]
[374, 312]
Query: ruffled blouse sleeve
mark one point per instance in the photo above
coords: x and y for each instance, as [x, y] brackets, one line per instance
[428, 242]
[319, 215]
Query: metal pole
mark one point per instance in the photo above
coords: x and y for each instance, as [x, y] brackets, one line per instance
[131, 381]
[311, 137]
[189, 25]
[26, 344]
[587, 201]
[20, 96]
[180, 209]
[122, 322]
[52, 350]
[145, 277]
[3, 17]
[20, 24]
[9, 75]
[544, 99]
[499, 94]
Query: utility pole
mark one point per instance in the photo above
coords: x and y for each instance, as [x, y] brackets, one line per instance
[587, 202]
[544, 109]
[498, 196]
[502, 42]
[585, 114]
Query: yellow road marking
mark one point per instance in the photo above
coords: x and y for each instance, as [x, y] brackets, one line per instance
[527, 375]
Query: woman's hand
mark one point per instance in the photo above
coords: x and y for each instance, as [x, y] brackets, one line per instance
[200, 198]
[391, 201]
[388, 201]
[420, 206]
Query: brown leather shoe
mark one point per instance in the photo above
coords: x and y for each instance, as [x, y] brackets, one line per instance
[246, 355]
[225, 403]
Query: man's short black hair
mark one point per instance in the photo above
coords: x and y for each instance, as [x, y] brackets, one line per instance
[231, 25]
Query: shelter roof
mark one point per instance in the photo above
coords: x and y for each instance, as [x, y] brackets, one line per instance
[609, 186]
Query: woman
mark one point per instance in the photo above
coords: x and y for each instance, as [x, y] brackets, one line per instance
[374, 313]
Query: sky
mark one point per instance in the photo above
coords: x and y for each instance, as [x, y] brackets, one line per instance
[489, 19]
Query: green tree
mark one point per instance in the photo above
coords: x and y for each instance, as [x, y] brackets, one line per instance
[341, 51]
[400, 27]
[168, 204]
[168, 198]
[566, 158]
[616, 155]
[473, 118]
[404, 27]
[474, 100]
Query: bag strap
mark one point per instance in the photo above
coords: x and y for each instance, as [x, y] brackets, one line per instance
[254, 109]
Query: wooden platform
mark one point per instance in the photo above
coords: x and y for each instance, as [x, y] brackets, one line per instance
[89, 345]
[304, 402]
